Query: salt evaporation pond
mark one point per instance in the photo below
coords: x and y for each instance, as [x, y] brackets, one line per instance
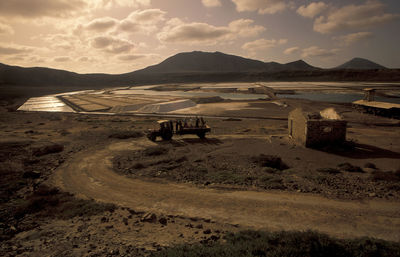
[52, 103]
[336, 97]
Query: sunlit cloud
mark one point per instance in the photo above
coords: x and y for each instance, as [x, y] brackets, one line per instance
[261, 6]
[36, 59]
[245, 28]
[211, 3]
[112, 45]
[144, 21]
[366, 15]
[177, 31]
[263, 44]
[312, 10]
[101, 24]
[86, 59]
[6, 29]
[194, 32]
[107, 4]
[147, 16]
[130, 57]
[62, 59]
[12, 49]
[292, 50]
[315, 51]
[353, 38]
[120, 35]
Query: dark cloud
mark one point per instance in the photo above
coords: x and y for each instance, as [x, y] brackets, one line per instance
[112, 45]
[315, 51]
[62, 59]
[102, 42]
[40, 8]
[130, 57]
[193, 32]
[12, 50]
[349, 17]
[101, 24]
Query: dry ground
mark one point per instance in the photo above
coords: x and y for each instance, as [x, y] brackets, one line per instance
[198, 190]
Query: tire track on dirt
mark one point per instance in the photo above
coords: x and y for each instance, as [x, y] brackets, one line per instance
[89, 175]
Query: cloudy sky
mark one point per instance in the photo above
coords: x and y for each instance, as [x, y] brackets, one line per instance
[116, 36]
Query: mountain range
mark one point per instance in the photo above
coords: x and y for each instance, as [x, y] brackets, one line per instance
[201, 67]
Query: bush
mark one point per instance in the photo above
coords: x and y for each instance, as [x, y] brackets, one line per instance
[329, 170]
[50, 202]
[47, 149]
[370, 165]
[126, 134]
[349, 167]
[385, 176]
[271, 161]
[271, 182]
[255, 243]
[155, 150]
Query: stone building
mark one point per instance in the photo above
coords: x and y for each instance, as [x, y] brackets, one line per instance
[317, 129]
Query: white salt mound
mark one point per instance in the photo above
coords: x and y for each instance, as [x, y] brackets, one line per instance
[330, 114]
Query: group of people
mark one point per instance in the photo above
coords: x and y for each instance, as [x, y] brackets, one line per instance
[188, 123]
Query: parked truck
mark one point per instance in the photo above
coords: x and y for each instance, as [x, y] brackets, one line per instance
[167, 128]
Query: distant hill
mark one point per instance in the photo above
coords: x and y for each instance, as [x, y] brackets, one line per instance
[197, 67]
[39, 76]
[300, 65]
[210, 62]
[360, 64]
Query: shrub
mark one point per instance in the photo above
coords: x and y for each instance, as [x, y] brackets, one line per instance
[349, 167]
[271, 182]
[385, 176]
[370, 165]
[126, 134]
[329, 170]
[138, 166]
[256, 243]
[47, 149]
[155, 150]
[50, 202]
[271, 161]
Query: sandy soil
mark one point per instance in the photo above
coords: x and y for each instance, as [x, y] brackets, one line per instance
[91, 176]
[75, 153]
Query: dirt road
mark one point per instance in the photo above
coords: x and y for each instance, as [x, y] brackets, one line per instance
[89, 175]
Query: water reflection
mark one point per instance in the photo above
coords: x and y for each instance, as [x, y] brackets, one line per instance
[45, 104]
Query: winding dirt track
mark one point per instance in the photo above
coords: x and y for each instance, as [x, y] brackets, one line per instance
[90, 175]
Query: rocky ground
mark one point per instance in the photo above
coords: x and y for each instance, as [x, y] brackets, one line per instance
[38, 219]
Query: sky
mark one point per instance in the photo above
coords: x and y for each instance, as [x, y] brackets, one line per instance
[118, 36]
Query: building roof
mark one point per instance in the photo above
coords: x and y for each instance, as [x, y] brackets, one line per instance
[381, 105]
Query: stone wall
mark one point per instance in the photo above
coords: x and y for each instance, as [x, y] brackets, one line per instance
[297, 126]
[325, 132]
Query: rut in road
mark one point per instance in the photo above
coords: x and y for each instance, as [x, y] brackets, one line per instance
[90, 175]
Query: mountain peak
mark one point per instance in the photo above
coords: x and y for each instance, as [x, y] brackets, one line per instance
[300, 65]
[214, 62]
[358, 63]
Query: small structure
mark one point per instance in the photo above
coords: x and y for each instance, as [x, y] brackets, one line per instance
[369, 94]
[317, 129]
[369, 105]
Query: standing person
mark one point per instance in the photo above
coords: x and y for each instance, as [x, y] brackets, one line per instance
[203, 123]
